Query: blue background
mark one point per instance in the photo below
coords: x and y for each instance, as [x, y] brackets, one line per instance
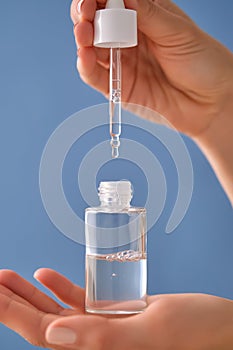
[40, 88]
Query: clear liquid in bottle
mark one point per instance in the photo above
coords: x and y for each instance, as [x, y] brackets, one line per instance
[116, 282]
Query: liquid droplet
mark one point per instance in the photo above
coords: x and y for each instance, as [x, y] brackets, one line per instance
[115, 152]
[115, 143]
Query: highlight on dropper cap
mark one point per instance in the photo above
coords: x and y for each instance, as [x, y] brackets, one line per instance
[115, 26]
[115, 4]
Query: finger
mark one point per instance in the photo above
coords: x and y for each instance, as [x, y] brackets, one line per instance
[91, 71]
[26, 321]
[173, 8]
[96, 332]
[165, 4]
[84, 35]
[27, 291]
[64, 289]
[161, 20]
[83, 32]
[8, 293]
[103, 56]
[84, 9]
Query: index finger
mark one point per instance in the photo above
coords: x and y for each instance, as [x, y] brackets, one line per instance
[83, 9]
[65, 290]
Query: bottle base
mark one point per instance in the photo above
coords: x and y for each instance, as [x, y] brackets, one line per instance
[114, 312]
[109, 307]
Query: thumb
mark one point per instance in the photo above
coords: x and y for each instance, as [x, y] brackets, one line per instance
[162, 20]
[95, 333]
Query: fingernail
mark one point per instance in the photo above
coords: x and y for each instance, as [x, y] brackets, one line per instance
[77, 63]
[80, 6]
[35, 274]
[61, 336]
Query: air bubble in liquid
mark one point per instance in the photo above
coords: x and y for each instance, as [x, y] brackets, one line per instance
[127, 255]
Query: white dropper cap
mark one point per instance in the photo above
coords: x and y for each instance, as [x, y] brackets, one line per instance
[115, 26]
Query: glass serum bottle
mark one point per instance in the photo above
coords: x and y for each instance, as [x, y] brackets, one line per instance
[116, 258]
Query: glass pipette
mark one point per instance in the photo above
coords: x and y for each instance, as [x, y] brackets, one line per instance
[115, 100]
[115, 27]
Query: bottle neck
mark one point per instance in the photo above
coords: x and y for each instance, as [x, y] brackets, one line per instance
[114, 203]
[115, 194]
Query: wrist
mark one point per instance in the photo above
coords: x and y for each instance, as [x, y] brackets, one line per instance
[219, 131]
[216, 142]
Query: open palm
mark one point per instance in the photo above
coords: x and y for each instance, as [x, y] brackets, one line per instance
[182, 321]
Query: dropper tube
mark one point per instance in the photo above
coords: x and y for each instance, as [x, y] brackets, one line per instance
[115, 27]
[115, 100]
